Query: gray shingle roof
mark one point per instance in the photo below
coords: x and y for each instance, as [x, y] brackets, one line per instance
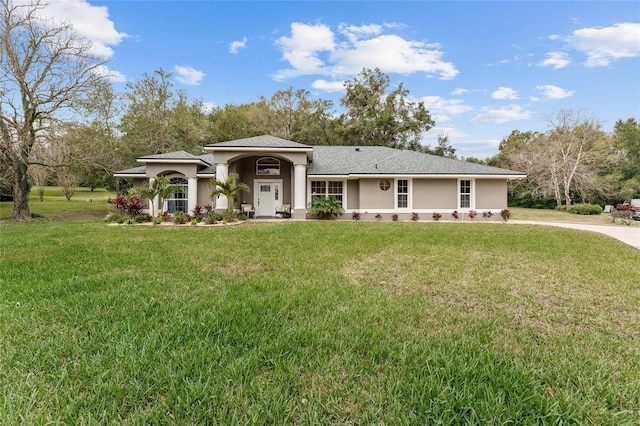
[264, 141]
[379, 160]
[176, 155]
[141, 170]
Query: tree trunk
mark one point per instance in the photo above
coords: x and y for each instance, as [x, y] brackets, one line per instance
[20, 191]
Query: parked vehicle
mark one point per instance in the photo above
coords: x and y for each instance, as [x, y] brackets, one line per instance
[632, 206]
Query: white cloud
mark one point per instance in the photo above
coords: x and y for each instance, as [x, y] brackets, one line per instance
[237, 45]
[189, 76]
[556, 60]
[88, 21]
[316, 49]
[442, 109]
[502, 115]
[111, 75]
[554, 92]
[208, 107]
[505, 93]
[606, 45]
[328, 86]
[459, 91]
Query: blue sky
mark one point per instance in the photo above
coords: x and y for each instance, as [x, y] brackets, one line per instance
[482, 68]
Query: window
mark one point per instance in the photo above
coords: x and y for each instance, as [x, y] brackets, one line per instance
[465, 194]
[385, 185]
[331, 188]
[403, 193]
[178, 201]
[268, 166]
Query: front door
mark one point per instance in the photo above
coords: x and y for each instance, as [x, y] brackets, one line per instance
[269, 193]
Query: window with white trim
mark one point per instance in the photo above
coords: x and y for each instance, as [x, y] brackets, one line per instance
[465, 194]
[268, 166]
[330, 188]
[402, 186]
[178, 201]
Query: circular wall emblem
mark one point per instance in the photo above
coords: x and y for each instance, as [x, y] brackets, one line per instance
[385, 184]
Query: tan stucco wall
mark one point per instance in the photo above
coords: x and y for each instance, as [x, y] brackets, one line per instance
[204, 193]
[491, 194]
[353, 194]
[187, 170]
[435, 193]
[372, 197]
[246, 168]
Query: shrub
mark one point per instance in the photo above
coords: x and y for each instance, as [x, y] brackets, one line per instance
[472, 214]
[212, 218]
[142, 218]
[378, 216]
[455, 214]
[326, 207]
[415, 217]
[194, 221]
[585, 209]
[198, 212]
[157, 220]
[112, 217]
[436, 216]
[506, 214]
[487, 214]
[180, 218]
[355, 215]
[394, 217]
[229, 216]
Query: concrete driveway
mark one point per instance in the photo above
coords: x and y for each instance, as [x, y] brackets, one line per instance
[626, 234]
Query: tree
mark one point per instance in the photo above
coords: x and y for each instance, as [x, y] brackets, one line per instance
[444, 148]
[229, 187]
[626, 142]
[159, 187]
[44, 68]
[157, 120]
[375, 117]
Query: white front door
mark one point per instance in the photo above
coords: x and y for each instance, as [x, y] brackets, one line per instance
[269, 196]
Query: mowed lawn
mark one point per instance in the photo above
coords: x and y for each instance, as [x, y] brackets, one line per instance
[317, 323]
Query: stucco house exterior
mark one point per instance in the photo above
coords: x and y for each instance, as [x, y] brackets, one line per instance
[370, 180]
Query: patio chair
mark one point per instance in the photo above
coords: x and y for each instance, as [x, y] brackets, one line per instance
[284, 211]
[248, 210]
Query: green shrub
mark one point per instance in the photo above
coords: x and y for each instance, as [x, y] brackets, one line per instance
[112, 217]
[141, 218]
[212, 218]
[180, 218]
[585, 209]
[326, 207]
[157, 220]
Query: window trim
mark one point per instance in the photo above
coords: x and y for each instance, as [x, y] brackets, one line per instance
[397, 193]
[185, 191]
[471, 193]
[274, 161]
[343, 194]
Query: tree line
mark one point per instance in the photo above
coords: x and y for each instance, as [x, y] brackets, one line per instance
[62, 122]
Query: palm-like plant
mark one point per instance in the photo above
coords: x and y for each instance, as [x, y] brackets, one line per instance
[230, 188]
[160, 187]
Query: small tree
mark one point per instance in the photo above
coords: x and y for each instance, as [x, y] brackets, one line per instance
[159, 187]
[230, 188]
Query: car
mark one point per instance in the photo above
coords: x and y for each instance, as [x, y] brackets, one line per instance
[634, 206]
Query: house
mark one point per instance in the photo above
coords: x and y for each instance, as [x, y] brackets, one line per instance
[370, 180]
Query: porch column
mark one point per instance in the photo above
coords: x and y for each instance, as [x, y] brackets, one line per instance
[153, 204]
[192, 194]
[222, 172]
[300, 191]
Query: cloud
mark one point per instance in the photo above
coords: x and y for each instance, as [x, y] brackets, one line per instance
[442, 109]
[208, 107]
[505, 93]
[502, 115]
[88, 21]
[554, 92]
[328, 86]
[316, 49]
[237, 45]
[189, 76]
[556, 60]
[111, 75]
[606, 45]
[459, 91]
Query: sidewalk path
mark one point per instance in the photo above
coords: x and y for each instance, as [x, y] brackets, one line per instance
[626, 234]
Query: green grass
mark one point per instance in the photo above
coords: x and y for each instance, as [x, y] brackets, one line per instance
[317, 323]
[84, 204]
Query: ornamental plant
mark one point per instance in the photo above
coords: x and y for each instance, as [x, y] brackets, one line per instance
[415, 217]
[455, 214]
[326, 207]
[436, 216]
[472, 214]
[355, 215]
[506, 214]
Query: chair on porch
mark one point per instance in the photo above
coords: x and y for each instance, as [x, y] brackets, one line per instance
[248, 210]
[284, 211]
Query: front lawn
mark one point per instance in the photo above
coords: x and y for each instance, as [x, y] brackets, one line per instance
[317, 323]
